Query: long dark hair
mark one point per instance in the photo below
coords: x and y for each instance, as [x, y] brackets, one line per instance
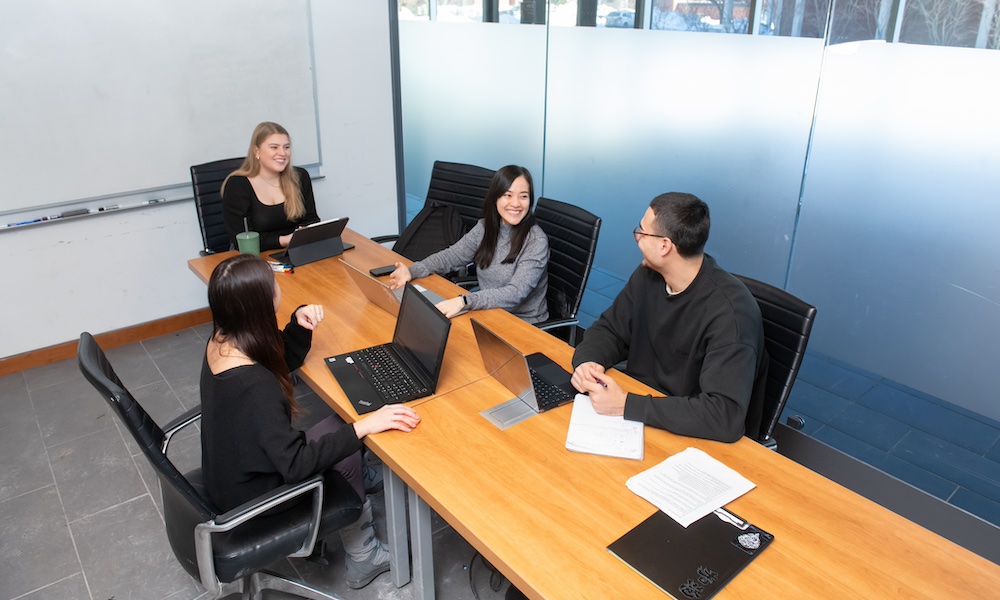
[502, 180]
[241, 297]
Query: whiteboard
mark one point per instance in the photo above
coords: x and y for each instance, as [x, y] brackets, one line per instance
[110, 97]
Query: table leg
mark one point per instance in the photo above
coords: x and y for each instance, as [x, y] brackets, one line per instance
[395, 519]
[421, 546]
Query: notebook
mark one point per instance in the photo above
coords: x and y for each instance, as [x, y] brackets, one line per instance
[314, 242]
[538, 384]
[379, 293]
[406, 368]
[694, 562]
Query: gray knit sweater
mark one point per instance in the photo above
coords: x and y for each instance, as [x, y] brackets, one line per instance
[518, 287]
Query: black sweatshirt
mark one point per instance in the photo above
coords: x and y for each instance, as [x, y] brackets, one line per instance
[703, 348]
[249, 446]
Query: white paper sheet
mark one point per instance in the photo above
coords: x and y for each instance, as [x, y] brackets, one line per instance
[689, 485]
[601, 434]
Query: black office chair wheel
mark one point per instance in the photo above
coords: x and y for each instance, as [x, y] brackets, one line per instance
[795, 422]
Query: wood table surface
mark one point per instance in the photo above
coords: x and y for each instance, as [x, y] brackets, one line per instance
[544, 515]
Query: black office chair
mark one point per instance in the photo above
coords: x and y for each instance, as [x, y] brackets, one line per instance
[227, 552]
[206, 180]
[787, 324]
[458, 185]
[572, 233]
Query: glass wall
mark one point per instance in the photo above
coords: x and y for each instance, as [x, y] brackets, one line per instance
[849, 157]
[897, 241]
[472, 93]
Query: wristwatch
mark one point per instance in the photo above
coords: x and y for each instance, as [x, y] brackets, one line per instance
[465, 299]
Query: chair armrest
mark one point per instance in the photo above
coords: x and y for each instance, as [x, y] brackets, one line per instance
[561, 323]
[381, 239]
[466, 282]
[186, 418]
[259, 505]
[265, 502]
[554, 323]
[248, 510]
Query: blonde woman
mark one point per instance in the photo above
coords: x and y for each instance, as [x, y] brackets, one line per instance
[267, 194]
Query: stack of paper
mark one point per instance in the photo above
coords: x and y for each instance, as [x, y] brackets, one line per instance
[689, 485]
[600, 434]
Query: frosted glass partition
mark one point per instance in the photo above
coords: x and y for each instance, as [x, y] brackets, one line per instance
[898, 241]
[471, 93]
[632, 114]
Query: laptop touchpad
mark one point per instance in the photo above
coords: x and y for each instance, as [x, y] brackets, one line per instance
[509, 413]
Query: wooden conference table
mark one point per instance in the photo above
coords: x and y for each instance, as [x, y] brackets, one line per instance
[544, 515]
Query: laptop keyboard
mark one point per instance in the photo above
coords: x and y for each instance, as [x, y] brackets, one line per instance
[547, 395]
[389, 379]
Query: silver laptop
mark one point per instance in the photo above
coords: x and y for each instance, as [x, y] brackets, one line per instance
[538, 383]
[379, 293]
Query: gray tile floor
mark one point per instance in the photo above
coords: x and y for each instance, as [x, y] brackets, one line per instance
[80, 508]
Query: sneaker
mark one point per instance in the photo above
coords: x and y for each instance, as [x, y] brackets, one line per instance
[360, 574]
[372, 477]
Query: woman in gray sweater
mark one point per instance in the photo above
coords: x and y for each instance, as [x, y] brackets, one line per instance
[510, 250]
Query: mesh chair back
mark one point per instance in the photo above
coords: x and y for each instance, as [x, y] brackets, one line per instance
[572, 233]
[462, 186]
[206, 179]
[787, 324]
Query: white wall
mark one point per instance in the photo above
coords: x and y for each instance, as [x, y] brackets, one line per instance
[110, 271]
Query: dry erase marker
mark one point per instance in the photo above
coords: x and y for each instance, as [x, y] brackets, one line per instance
[156, 200]
[107, 208]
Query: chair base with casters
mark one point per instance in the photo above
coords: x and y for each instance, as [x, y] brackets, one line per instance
[227, 552]
[787, 322]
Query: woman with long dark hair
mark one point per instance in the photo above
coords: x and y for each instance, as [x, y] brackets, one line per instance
[249, 446]
[267, 194]
[510, 250]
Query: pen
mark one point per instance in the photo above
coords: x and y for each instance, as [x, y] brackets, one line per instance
[38, 220]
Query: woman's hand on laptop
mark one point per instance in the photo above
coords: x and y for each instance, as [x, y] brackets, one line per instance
[399, 277]
[452, 306]
[390, 416]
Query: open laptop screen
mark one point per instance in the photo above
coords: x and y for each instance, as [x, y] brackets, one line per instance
[422, 331]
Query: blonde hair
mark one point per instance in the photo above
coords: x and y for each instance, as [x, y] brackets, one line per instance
[288, 179]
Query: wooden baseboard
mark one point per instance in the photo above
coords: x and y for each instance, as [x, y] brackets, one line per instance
[111, 339]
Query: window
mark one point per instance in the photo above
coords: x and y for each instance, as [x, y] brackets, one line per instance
[962, 23]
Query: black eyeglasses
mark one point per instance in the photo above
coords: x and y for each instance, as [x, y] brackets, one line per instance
[638, 232]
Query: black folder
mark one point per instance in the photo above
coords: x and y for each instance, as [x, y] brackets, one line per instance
[692, 563]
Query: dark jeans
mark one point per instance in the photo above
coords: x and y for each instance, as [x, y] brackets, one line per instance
[350, 467]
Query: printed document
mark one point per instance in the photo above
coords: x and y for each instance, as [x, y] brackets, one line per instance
[602, 434]
[689, 485]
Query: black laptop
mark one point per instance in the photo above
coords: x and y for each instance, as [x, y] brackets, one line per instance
[314, 242]
[400, 371]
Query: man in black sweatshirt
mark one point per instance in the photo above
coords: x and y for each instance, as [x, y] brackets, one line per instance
[687, 328]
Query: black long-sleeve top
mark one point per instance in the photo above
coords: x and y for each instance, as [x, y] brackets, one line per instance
[703, 348]
[239, 201]
[249, 446]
